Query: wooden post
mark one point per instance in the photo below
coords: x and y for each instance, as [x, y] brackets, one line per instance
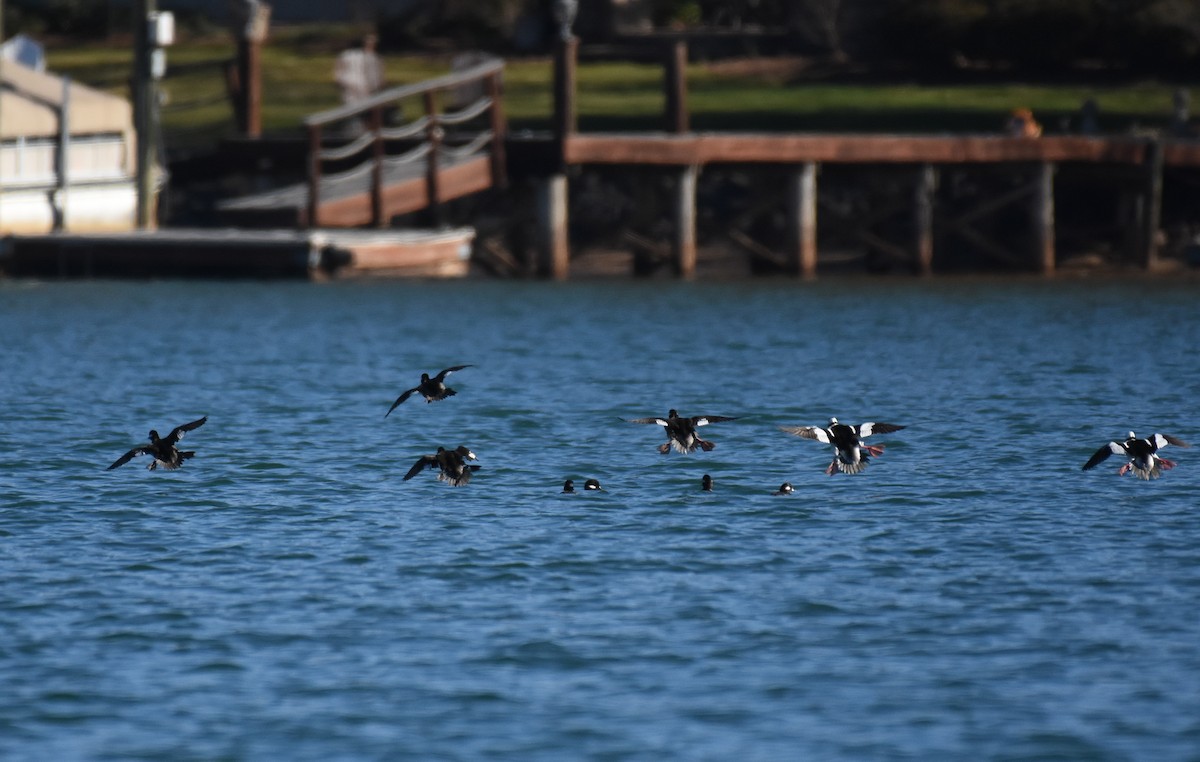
[927, 179]
[314, 175]
[495, 91]
[554, 254]
[566, 53]
[434, 136]
[802, 221]
[377, 216]
[250, 76]
[683, 246]
[675, 84]
[249, 23]
[1151, 207]
[1043, 218]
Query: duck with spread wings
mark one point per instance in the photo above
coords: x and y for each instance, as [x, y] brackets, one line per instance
[162, 449]
[432, 389]
[681, 432]
[851, 454]
[1140, 454]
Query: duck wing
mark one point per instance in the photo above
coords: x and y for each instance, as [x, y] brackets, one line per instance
[425, 461]
[655, 420]
[442, 376]
[1162, 440]
[400, 399]
[142, 450]
[1112, 448]
[178, 432]
[704, 420]
[867, 429]
[809, 432]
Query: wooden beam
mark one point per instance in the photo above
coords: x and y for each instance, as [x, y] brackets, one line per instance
[691, 148]
[683, 244]
[802, 221]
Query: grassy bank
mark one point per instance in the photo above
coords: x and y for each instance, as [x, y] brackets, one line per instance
[736, 95]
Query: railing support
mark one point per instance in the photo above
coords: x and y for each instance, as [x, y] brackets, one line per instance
[495, 91]
[377, 216]
[434, 136]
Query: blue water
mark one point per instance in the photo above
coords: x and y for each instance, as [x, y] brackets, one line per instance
[285, 595]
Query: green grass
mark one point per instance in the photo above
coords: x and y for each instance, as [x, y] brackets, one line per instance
[297, 81]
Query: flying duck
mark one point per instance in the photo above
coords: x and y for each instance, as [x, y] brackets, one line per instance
[706, 483]
[432, 389]
[851, 455]
[784, 489]
[681, 432]
[162, 449]
[1141, 455]
[451, 465]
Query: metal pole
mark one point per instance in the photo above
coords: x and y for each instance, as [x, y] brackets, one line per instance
[62, 160]
[144, 94]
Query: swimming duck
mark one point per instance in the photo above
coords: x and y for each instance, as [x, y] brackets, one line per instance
[851, 455]
[706, 483]
[784, 489]
[681, 432]
[593, 485]
[569, 486]
[162, 449]
[1141, 455]
[451, 465]
[432, 389]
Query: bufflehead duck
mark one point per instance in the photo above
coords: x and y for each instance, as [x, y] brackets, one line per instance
[451, 465]
[432, 389]
[591, 485]
[784, 489]
[681, 432]
[706, 483]
[851, 455]
[1141, 455]
[162, 449]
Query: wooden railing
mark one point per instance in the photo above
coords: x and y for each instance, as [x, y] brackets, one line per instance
[369, 136]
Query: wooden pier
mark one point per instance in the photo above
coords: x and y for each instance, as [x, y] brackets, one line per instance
[1137, 164]
[363, 170]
